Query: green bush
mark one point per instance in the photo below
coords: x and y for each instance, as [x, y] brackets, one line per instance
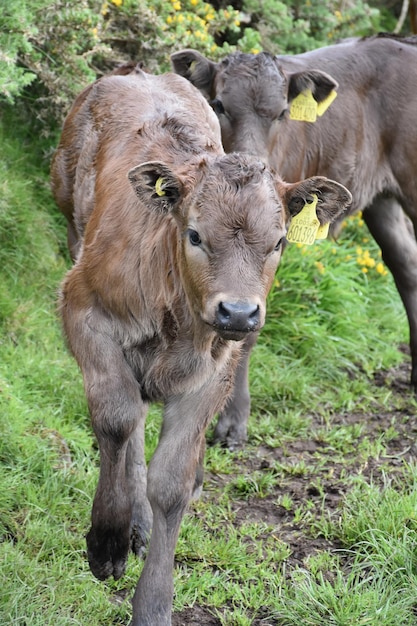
[52, 48]
[294, 27]
[75, 41]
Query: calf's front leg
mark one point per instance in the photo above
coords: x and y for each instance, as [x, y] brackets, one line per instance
[171, 484]
[120, 507]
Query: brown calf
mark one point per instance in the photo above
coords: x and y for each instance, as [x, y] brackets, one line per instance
[178, 244]
[367, 139]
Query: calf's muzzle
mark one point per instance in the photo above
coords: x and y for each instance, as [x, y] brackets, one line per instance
[234, 319]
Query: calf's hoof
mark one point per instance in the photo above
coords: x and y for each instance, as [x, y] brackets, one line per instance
[230, 432]
[139, 537]
[107, 553]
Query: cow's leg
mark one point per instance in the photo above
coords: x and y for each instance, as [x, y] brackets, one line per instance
[141, 522]
[232, 425]
[171, 484]
[394, 234]
[118, 414]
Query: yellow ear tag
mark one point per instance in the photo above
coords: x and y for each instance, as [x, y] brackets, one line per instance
[324, 105]
[304, 225]
[158, 186]
[304, 108]
[323, 231]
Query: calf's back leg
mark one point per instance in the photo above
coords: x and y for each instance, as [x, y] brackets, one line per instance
[141, 521]
[394, 234]
[232, 425]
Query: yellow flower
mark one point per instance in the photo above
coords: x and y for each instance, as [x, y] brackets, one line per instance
[277, 283]
[365, 270]
[338, 15]
[255, 51]
[193, 2]
[104, 8]
[117, 3]
[169, 19]
[380, 268]
[320, 266]
[176, 5]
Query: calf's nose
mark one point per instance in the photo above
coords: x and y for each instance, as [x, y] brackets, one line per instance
[238, 316]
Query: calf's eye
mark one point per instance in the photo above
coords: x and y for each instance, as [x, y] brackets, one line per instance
[194, 237]
[279, 244]
[217, 106]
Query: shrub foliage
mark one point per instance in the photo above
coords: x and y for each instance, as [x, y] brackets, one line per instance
[50, 49]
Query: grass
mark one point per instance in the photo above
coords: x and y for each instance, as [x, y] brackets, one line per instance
[330, 327]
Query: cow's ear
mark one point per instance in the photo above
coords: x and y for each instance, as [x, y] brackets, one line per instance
[333, 198]
[196, 68]
[156, 185]
[319, 83]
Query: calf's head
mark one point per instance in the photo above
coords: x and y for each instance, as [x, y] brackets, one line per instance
[231, 214]
[250, 93]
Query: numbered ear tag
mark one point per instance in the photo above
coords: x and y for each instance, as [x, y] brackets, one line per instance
[304, 225]
[304, 108]
[323, 231]
[324, 105]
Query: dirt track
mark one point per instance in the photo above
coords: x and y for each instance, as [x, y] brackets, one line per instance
[402, 447]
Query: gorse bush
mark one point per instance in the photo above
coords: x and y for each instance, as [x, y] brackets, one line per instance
[57, 47]
[50, 49]
[294, 27]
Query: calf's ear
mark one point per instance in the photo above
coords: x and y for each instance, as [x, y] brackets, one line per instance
[333, 198]
[156, 185]
[320, 84]
[196, 68]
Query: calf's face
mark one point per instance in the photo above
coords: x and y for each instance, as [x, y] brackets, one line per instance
[231, 227]
[231, 215]
[250, 94]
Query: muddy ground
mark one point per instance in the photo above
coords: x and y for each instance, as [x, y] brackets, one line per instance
[300, 488]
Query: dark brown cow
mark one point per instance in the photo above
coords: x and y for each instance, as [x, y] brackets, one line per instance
[179, 247]
[367, 139]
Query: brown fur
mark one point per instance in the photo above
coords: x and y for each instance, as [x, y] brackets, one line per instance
[176, 247]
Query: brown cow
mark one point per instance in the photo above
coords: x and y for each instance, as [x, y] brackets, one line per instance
[367, 139]
[179, 247]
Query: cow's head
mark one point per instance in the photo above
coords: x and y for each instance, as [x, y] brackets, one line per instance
[232, 214]
[250, 93]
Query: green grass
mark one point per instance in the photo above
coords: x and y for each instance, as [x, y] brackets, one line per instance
[330, 328]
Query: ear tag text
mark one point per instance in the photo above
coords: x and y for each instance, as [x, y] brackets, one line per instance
[324, 105]
[304, 108]
[305, 225]
[158, 186]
